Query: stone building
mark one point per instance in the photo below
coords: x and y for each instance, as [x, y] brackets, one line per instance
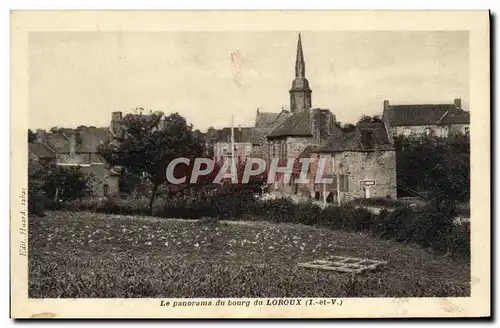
[77, 147]
[426, 120]
[361, 164]
[243, 145]
[265, 123]
[305, 125]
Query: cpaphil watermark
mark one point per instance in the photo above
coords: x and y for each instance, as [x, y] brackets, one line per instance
[298, 171]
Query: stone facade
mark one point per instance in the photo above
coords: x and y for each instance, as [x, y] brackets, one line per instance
[242, 151]
[360, 164]
[426, 120]
[78, 147]
[370, 174]
[289, 146]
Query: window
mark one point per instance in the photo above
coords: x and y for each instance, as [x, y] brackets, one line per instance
[367, 139]
[344, 182]
[466, 131]
[105, 190]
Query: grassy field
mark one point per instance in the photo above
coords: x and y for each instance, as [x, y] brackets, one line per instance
[96, 255]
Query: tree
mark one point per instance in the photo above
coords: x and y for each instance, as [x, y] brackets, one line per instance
[146, 146]
[370, 119]
[65, 183]
[438, 166]
[348, 127]
[31, 136]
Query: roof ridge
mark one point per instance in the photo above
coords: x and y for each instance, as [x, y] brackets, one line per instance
[442, 117]
[50, 148]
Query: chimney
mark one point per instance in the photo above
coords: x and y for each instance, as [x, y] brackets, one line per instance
[257, 110]
[116, 116]
[386, 104]
[72, 143]
[458, 103]
[315, 121]
[115, 125]
[41, 135]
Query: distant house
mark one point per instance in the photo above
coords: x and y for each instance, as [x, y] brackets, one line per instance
[79, 148]
[243, 146]
[117, 121]
[40, 154]
[417, 121]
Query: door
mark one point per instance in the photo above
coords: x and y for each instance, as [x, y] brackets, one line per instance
[367, 192]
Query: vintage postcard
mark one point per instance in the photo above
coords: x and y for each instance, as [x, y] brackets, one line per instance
[250, 164]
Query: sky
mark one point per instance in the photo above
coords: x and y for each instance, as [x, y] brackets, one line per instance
[79, 78]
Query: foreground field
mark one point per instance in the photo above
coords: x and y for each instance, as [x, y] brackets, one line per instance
[103, 256]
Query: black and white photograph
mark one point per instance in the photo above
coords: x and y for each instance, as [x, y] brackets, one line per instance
[250, 169]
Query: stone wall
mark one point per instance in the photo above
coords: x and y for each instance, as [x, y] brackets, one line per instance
[75, 159]
[223, 150]
[377, 166]
[260, 151]
[101, 176]
[295, 145]
[458, 128]
[322, 124]
[418, 131]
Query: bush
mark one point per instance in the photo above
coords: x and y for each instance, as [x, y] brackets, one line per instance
[458, 241]
[117, 205]
[308, 213]
[430, 228]
[378, 201]
[427, 227]
[392, 225]
[355, 219]
[278, 210]
[37, 203]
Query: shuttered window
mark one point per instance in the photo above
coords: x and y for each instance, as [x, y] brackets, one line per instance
[344, 182]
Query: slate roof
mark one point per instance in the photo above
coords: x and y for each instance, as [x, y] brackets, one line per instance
[91, 138]
[426, 114]
[57, 141]
[265, 123]
[243, 134]
[353, 141]
[297, 124]
[306, 153]
[406, 115]
[264, 120]
[458, 116]
[38, 150]
[87, 139]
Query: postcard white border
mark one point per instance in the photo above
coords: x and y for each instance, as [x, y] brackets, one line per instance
[476, 22]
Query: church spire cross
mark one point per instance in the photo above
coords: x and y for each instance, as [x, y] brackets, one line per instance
[300, 66]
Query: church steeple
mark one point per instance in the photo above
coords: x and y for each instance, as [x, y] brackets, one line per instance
[300, 93]
[300, 65]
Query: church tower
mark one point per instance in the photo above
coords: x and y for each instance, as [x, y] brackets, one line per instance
[300, 93]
